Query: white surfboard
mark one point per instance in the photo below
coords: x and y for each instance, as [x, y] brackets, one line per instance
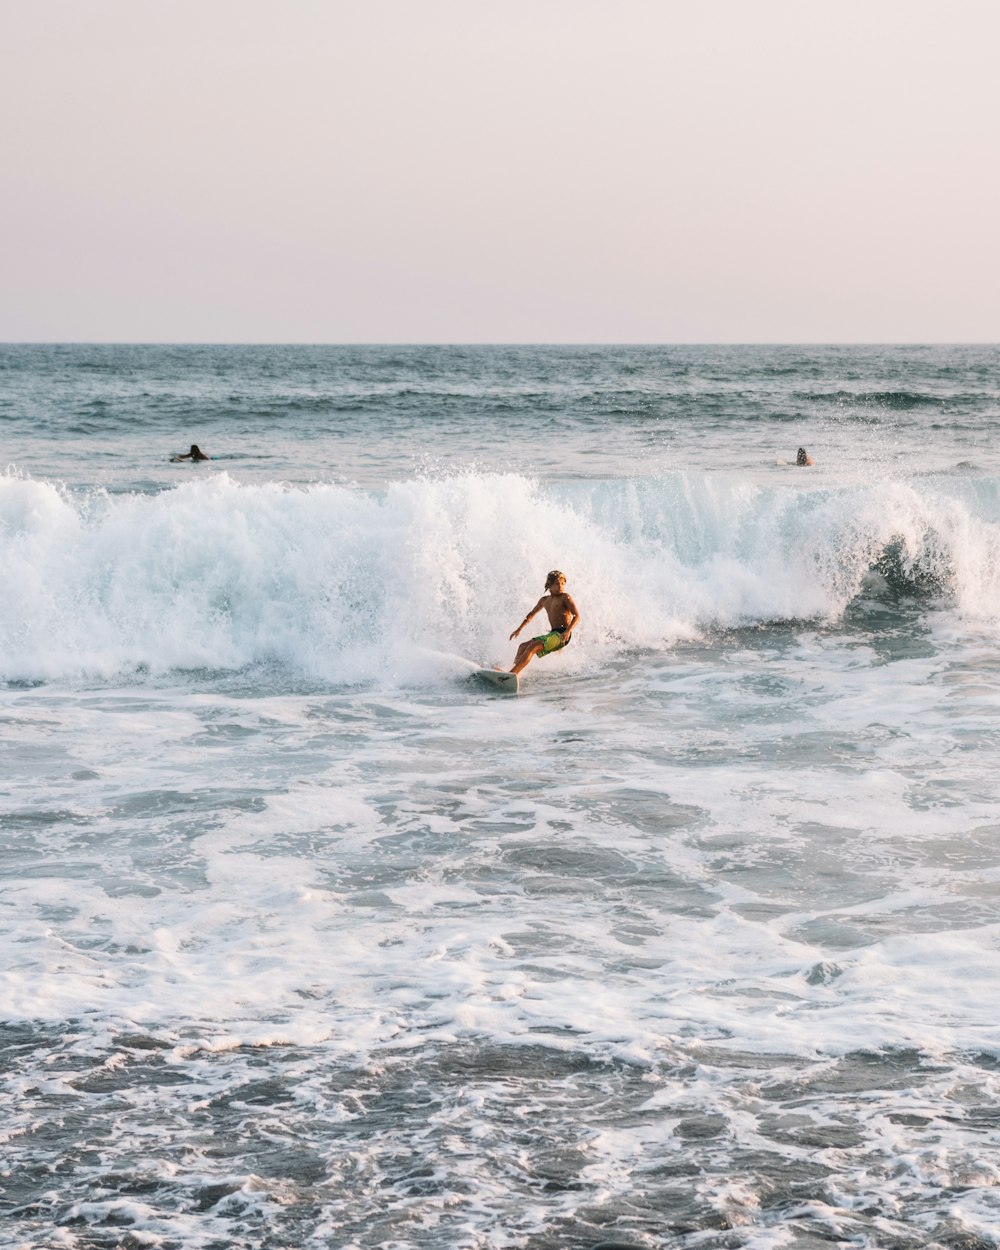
[503, 683]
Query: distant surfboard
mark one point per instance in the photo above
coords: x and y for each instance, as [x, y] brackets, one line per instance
[503, 683]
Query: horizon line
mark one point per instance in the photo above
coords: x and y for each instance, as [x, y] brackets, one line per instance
[499, 343]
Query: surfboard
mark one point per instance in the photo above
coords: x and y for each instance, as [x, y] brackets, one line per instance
[503, 683]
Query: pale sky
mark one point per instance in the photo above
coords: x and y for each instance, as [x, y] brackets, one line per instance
[512, 171]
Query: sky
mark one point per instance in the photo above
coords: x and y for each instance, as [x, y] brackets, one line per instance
[558, 171]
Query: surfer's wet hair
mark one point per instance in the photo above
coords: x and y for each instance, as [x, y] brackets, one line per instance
[552, 577]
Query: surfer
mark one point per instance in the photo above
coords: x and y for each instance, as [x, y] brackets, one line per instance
[563, 619]
[195, 453]
[802, 457]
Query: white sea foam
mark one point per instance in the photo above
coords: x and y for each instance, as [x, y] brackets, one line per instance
[355, 587]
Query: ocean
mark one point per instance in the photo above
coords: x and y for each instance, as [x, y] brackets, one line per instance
[309, 942]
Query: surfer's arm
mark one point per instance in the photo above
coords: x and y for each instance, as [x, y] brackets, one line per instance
[534, 611]
[574, 619]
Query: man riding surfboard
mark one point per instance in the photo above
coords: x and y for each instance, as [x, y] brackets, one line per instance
[563, 619]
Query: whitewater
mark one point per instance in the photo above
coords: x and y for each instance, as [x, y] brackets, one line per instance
[306, 941]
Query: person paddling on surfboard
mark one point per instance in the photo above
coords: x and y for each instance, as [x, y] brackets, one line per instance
[195, 453]
[563, 619]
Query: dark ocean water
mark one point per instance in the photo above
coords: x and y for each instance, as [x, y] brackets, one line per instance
[376, 414]
[307, 942]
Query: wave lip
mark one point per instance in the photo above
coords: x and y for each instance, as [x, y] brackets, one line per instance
[900, 401]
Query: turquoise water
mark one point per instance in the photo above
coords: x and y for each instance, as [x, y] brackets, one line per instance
[308, 942]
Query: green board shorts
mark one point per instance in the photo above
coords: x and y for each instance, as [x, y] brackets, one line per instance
[552, 641]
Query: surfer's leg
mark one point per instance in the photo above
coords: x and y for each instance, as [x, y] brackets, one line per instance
[526, 652]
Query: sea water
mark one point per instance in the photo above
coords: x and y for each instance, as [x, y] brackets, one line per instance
[305, 941]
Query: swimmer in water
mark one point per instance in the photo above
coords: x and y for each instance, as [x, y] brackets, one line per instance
[802, 457]
[195, 453]
[563, 619]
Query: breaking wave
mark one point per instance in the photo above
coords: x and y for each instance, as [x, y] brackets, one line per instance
[353, 586]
